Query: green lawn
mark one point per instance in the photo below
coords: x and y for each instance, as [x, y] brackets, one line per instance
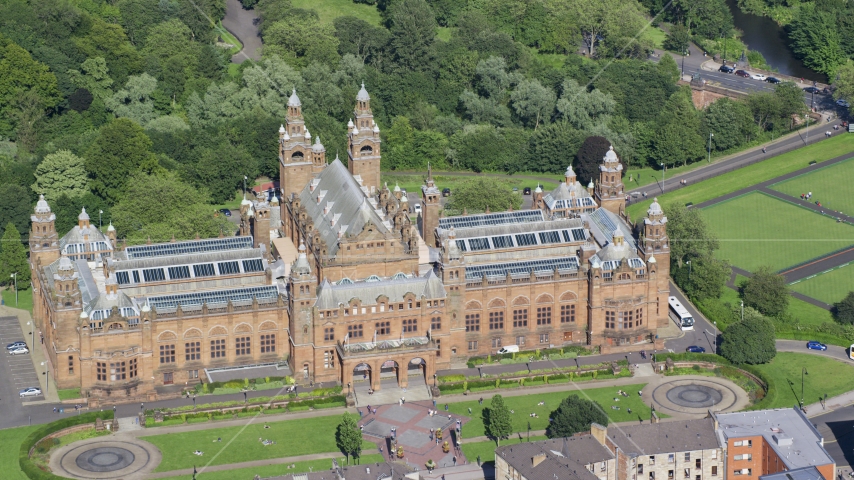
[10, 444]
[830, 286]
[757, 229]
[276, 470]
[292, 437]
[24, 302]
[830, 185]
[486, 450]
[329, 10]
[524, 405]
[751, 175]
[656, 35]
[808, 314]
[824, 376]
[68, 393]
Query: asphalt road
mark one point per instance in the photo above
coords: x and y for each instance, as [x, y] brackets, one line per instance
[243, 25]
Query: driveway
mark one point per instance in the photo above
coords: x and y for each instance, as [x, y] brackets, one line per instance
[242, 24]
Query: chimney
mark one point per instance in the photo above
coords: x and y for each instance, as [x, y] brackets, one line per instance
[538, 459]
[598, 432]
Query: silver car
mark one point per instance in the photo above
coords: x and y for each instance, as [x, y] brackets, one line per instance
[30, 392]
[19, 351]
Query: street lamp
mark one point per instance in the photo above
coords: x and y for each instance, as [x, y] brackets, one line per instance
[47, 380]
[348, 389]
[689, 268]
[710, 146]
[100, 212]
[663, 175]
[715, 340]
[15, 276]
[803, 372]
[434, 380]
[807, 118]
[742, 310]
[683, 60]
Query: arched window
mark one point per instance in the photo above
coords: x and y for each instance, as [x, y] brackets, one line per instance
[366, 150]
[297, 156]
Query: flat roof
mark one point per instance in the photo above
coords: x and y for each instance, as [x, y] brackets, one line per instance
[787, 430]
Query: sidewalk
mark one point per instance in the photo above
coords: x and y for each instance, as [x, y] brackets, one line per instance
[37, 353]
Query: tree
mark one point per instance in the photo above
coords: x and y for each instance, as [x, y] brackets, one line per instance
[108, 41]
[16, 207]
[533, 102]
[843, 311]
[584, 110]
[845, 83]
[551, 148]
[61, 173]
[497, 422]
[730, 121]
[589, 157]
[677, 39]
[94, 76]
[348, 437]
[689, 235]
[137, 17]
[302, 40]
[22, 74]
[750, 341]
[815, 38]
[134, 100]
[413, 32]
[482, 193]
[574, 415]
[704, 278]
[767, 292]
[120, 149]
[360, 38]
[13, 258]
[705, 18]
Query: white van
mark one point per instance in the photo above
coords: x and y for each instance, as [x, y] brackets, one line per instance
[508, 349]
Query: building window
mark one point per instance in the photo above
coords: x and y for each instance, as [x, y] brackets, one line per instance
[496, 320]
[193, 351]
[520, 340]
[329, 359]
[132, 368]
[544, 316]
[640, 469]
[651, 475]
[268, 343]
[177, 273]
[697, 463]
[118, 371]
[329, 334]
[743, 471]
[714, 454]
[473, 323]
[544, 338]
[436, 323]
[496, 342]
[122, 278]
[687, 456]
[567, 313]
[242, 346]
[473, 345]
[438, 347]
[687, 473]
[743, 443]
[410, 325]
[168, 379]
[355, 331]
[520, 318]
[101, 369]
[671, 458]
[610, 319]
[167, 354]
[714, 470]
[71, 364]
[204, 270]
[639, 317]
[652, 459]
[218, 348]
[154, 275]
[192, 374]
[383, 328]
[744, 456]
[625, 320]
[671, 474]
[228, 268]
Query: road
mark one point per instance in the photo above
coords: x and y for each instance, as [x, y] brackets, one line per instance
[243, 24]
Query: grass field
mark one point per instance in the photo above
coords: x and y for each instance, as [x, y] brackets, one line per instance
[329, 10]
[68, 393]
[830, 185]
[751, 175]
[757, 229]
[656, 35]
[829, 287]
[486, 450]
[292, 437]
[824, 376]
[807, 313]
[10, 444]
[282, 469]
[25, 298]
[527, 404]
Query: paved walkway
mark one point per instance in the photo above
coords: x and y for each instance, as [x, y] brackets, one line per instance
[243, 25]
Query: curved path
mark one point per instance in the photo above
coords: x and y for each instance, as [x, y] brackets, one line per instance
[243, 25]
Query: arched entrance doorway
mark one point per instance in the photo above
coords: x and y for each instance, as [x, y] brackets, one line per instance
[390, 374]
[362, 377]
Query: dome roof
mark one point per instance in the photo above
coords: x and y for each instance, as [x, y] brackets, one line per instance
[83, 215]
[301, 266]
[404, 199]
[42, 206]
[317, 147]
[350, 123]
[611, 155]
[245, 201]
[145, 308]
[293, 101]
[617, 233]
[307, 134]
[376, 128]
[590, 185]
[654, 208]
[396, 187]
[83, 315]
[111, 228]
[538, 189]
[281, 129]
[363, 96]
[651, 260]
[569, 172]
[355, 130]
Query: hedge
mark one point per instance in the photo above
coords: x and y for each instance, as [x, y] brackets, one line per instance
[571, 351]
[28, 467]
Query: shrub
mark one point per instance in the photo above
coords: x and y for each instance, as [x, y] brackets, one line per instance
[451, 378]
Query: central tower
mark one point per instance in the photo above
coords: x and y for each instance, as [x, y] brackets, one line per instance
[363, 151]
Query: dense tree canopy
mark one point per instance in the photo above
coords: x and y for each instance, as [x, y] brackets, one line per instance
[750, 341]
[13, 258]
[843, 310]
[767, 292]
[61, 173]
[574, 415]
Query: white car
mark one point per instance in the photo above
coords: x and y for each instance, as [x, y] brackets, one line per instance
[417, 209]
[758, 76]
[30, 392]
[19, 351]
[842, 103]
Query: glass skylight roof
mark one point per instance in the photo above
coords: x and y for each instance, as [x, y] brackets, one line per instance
[213, 297]
[193, 246]
[487, 219]
[476, 272]
[549, 237]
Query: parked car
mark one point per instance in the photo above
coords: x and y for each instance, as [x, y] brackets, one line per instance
[30, 392]
[446, 192]
[527, 191]
[742, 73]
[695, 349]
[773, 80]
[758, 76]
[417, 208]
[225, 212]
[508, 349]
[726, 69]
[19, 351]
[814, 345]
[842, 103]
[812, 90]
[14, 345]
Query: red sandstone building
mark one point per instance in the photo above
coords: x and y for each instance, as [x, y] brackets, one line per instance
[339, 281]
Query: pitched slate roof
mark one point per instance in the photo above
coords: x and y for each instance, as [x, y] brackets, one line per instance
[564, 458]
[667, 437]
[331, 295]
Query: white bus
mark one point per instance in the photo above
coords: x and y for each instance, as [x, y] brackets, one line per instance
[680, 314]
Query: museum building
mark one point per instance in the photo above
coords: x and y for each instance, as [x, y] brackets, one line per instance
[337, 278]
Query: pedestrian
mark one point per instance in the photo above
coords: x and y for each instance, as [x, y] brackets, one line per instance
[434, 403]
[141, 406]
[763, 150]
[369, 409]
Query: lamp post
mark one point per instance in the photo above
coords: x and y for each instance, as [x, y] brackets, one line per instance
[803, 373]
[434, 379]
[47, 380]
[348, 389]
[15, 276]
[663, 175]
[100, 212]
[684, 48]
[689, 268]
[742, 310]
[807, 118]
[715, 340]
[710, 146]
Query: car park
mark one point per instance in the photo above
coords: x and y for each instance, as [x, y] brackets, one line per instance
[19, 351]
[446, 192]
[773, 80]
[527, 191]
[225, 212]
[842, 103]
[742, 73]
[30, 392]
[695, 349]
[814, 345]
[726, 69]
[812, 90]
[14, 345]
[758, 76]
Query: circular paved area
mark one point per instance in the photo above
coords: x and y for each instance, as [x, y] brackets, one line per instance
[696, 395]
[104, 458]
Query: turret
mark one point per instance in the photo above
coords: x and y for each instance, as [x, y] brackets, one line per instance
[364, 143]
[44, 241]
[609, 192]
